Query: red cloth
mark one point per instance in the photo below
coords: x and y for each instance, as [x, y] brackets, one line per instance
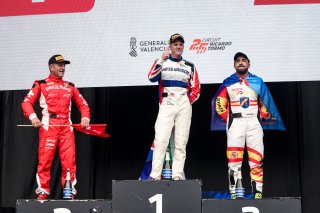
[94, 129]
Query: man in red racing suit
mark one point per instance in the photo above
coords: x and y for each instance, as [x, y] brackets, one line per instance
[55, 96]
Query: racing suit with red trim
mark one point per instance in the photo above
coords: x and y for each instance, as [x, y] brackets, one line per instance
[179, 88]
[55, 96]
[240, 106]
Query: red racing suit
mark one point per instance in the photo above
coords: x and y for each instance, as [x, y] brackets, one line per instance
[55, 96]
[241, 107]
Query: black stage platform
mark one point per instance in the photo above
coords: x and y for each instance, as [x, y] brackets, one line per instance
[129, 196]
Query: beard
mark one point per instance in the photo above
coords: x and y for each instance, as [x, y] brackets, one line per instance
[242, 71]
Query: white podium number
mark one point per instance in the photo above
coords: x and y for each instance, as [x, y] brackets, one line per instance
[158, 199]
[61, 210]
[250, 209]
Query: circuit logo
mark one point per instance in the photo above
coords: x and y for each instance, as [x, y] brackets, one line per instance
[37, 7]
[270, 2]
[199, 46]
[209, 44]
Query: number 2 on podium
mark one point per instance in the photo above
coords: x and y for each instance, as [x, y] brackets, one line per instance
[250, 209]
[158, 199]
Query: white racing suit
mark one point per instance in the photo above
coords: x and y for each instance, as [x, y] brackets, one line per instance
[241, 108]
[179, 87]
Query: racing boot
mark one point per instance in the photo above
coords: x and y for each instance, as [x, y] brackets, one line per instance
[42, 196]
[257, 193]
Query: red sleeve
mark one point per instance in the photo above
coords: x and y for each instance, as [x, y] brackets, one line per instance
[194, 87]
[81, 103]
[222, 102]
[30, 99]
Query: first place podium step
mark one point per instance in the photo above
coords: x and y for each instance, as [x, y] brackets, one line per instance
[156, 196]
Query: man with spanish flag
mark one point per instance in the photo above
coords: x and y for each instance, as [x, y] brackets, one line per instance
[244, 107]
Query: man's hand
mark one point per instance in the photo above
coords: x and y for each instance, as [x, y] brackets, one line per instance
[165, 54]
[36, 123]
[85, 123]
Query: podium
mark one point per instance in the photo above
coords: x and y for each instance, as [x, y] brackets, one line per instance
[166, 196]
[156, 196]
[63, 206]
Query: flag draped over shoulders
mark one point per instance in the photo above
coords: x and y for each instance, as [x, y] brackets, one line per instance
[257, 84]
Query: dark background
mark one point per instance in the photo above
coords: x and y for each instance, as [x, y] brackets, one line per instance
[291, 157]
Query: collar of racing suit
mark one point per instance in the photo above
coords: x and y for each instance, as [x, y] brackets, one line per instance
[54, 78]
[249, 74]
[175, 59]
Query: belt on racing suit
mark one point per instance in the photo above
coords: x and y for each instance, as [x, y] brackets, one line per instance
[165, 94]
[55, 115]
[243, 115]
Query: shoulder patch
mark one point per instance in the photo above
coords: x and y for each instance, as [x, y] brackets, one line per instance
[188, 63]
[71, 84]
[42, 81]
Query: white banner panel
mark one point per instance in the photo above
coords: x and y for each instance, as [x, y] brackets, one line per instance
[114, 42]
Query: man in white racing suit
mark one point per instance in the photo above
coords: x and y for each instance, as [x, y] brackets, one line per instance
[179, 88]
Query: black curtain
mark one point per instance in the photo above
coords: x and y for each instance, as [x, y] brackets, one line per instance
[290, 164]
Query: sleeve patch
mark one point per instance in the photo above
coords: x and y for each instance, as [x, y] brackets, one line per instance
[189, 64]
